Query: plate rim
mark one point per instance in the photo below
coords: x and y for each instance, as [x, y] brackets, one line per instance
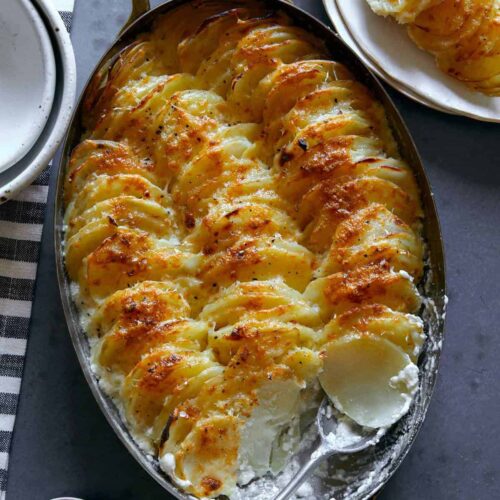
[66, 73]
[42, 41]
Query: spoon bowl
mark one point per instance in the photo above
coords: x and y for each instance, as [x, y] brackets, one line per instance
[337, 434]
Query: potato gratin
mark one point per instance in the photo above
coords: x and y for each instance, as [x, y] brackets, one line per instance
[239, 223]
[463, 36]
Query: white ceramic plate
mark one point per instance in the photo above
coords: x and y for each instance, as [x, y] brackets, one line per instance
[386, 48]
[27, 79]
[25, 171]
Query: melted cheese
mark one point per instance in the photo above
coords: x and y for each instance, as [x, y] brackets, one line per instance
[236, 210]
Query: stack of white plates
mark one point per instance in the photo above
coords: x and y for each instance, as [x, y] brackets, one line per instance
[37, 90]
[385, 48]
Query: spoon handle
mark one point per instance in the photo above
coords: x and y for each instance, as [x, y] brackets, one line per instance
[304, 472]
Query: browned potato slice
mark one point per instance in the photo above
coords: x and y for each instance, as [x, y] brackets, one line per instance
[259, 53]
[261, 259]
[259, 300]
[285, 343]
[191, 119]
[147, 303]
[404, 11]
[105, 187]
[122, 348]
[404, 330]
[476, 59]
[374, 284]
[320, 129]
[214, 62]
[332, 201]
[262, 403]
[390, 169]
[198, 47]
[133, 63]
[128, 257]
[226, 224]
[140, 125]
[164, 374]
[92, 158]
[446, 24]
[291, 83]
[225, 163]
[329, 155]
[129, 211]
[374, 235]
[335, 102]
[206, 461]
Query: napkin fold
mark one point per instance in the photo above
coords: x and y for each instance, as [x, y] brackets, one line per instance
[21, 224]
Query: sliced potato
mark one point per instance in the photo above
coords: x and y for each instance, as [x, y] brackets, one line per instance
[262, 403]
[404, 11]
[283, 343]
[332, 201]
[374, 235]
[225, 224]
[105, 187]
[162, 374]
[206, 462]
[446, 24]
[121, 349]
[224, 163]
[275, 412]
[192, 118]
[258, 53]
[261, 259]
[291, 83]
[369, 379]
[92, 158]
[129, 211]
[138, 124]
[330, 154]
[339, 102]
[404, 330]
[148, 303]
[321, 128]
[374, 284]
[127, 257]
[259, 300]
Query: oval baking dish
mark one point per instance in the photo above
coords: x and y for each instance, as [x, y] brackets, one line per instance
[366, 473]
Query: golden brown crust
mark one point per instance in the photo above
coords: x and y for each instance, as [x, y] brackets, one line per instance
[238, 202]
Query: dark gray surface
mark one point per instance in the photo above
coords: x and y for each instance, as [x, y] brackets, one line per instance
[63, 446]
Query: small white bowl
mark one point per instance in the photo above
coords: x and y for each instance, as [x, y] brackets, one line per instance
[27, 79]
[24, 172]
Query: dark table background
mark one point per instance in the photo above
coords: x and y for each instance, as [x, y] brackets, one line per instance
[63, 446]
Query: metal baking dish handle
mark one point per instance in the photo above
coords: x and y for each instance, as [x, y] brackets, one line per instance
[139, 8]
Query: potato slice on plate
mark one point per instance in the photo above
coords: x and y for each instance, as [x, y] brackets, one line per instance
[446, 24]
[404, 11]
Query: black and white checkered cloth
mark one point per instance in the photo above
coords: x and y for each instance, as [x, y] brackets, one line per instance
[21, 223]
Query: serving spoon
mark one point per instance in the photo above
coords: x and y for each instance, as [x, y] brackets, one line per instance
[335, 437]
